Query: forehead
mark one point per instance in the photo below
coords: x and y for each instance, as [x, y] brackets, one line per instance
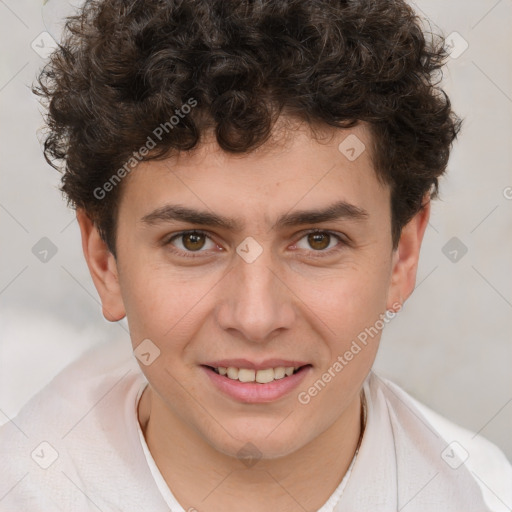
[296, 169]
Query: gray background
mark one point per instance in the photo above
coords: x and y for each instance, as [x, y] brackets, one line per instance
[450, 347]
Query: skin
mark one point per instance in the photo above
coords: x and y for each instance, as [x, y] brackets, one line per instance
[286, 304]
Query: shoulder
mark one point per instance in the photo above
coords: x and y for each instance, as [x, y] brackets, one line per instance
[77, 421]
[484, 461]
[81, 384]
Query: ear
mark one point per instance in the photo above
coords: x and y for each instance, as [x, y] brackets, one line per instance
[406, 257]
[103, 268]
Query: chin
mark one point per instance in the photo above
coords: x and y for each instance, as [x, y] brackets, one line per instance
[257, 443]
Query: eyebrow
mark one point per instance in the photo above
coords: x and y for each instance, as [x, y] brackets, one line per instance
[335, 211]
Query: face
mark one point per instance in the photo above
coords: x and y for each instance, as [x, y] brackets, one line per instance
[276, 259]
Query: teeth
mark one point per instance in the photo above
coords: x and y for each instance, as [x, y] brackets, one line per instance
[232, 373]
[246, 375]
[261, 376]
[265, 376]
[279, 372]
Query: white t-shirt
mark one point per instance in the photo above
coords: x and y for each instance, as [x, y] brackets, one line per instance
[77, 446]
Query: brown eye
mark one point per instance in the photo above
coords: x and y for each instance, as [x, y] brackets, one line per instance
[319, 241]
[193, 241]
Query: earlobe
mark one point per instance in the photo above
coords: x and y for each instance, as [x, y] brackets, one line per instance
[103, 268]
[406, 257]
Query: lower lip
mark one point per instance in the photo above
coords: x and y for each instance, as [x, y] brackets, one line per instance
[253, 392]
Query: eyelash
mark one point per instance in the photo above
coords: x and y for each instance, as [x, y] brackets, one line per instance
[186, 254]
[315, 254]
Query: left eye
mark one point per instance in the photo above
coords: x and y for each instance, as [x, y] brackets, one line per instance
[318, 241]
[192, 241]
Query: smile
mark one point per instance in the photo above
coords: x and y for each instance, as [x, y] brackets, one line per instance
[261, 376]
[251, 385]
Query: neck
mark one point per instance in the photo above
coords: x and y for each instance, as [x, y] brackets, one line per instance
[203, 478]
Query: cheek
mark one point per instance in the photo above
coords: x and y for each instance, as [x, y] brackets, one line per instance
[354, 315]
[349, 299]
[350, 309]
[161, 304]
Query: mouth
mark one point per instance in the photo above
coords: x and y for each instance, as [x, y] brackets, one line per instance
[256, 385]
[262, 376]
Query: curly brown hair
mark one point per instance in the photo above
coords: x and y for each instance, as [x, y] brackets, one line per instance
[126, 67]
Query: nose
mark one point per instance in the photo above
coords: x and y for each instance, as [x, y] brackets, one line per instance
[256, 303]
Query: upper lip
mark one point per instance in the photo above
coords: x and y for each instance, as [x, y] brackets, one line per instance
[262, 365]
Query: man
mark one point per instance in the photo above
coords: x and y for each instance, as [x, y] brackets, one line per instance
[252, 182]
